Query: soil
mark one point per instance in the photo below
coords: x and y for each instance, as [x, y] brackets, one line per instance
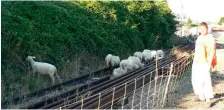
[183, 98]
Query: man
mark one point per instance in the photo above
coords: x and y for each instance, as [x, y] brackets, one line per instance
[203, 60]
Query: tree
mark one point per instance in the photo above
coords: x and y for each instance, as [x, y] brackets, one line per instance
[189, 22]
[221, 21]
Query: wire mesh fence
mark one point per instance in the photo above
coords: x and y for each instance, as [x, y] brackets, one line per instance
[146, 92]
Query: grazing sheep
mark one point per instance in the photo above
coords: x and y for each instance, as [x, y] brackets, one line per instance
[117, 72]
[153, 53]
[43, 68]
[112, 61]
[127, 65]
[138, 54]
[131, 63]
[146, 50]
[107, 59]
[146, 56]
[136, 60]
[160, 54]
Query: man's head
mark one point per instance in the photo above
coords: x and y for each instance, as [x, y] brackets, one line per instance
[203, 28]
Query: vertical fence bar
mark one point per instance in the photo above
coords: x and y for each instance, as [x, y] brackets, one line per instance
[82, 104]
[125, 90]
[143, 83]
[149, 91]
[156, 77]
[99, 101]
[164, 98]
[112, 102]
[133, 98]
[161, 80]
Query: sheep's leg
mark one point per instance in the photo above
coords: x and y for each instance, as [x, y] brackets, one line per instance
[58, 77]
[141, 65]
[34, 71]
[107, 64]
[110, 65]
[52, 77]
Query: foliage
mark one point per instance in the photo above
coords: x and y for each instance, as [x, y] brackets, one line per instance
[221, 20]
[54, 31]
[194, 25]
[189, 21]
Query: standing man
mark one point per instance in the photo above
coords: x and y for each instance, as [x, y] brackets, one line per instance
[205, 50]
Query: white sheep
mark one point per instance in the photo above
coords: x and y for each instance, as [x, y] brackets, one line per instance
[160, 54]
[112, 60]
[138, 54]
[117, 72]
[146, 56]
[153, 53]
[136, 60]
[128, 65]
[147, 50]
[43, 68]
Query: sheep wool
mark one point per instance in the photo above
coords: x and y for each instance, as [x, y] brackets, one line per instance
[138, 54]
[136, 61]
[112, 60]
[153, 53]
[117, 72]
[43, 68]
[146, 56]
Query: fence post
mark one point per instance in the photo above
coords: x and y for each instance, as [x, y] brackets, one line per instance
[99, 101]
[156, 77]
[164, 98]
[125, 91]
[143, 83]
[133, 98]
[82, 103]
[149, 91]
[112, 103]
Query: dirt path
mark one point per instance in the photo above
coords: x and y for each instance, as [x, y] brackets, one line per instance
[183, 97]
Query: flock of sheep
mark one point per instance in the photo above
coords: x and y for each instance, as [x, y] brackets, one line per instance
[126, 65]
[133, 62]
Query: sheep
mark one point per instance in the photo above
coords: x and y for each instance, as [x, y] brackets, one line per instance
[130, 64]
[153, 53]
[138, 54]
[112, 60]
[127, 65]
[43, 68]
[107, 59]
[136, 60]
[146, 56]
[117, 72]
[160, 54]
[146, 50]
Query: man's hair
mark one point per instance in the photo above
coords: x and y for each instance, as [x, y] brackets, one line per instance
[204, 24]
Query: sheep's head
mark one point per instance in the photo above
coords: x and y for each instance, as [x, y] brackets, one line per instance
[30, 57]
[108, 57]
[123, 64]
